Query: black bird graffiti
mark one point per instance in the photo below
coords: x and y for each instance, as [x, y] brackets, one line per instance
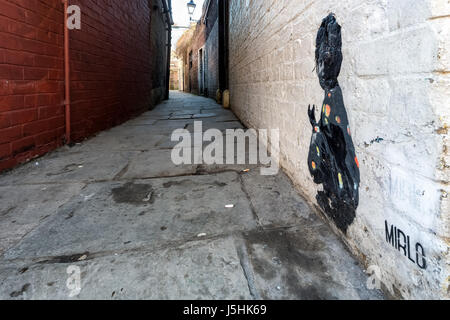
[332, 159]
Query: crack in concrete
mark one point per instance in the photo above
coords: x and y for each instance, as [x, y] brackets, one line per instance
[122, 172]
[199, 172]
[144, 249]
[41, 222]
[246, 268]
[249, 199]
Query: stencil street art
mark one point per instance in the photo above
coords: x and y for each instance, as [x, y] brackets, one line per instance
[332, 159]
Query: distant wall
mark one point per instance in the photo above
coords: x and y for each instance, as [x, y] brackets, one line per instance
[118, 63]
[396, 86]
[175, 75]
[205, 36]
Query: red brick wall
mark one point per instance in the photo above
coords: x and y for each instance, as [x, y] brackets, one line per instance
[111, 64]
[31, 79]
[111, 72]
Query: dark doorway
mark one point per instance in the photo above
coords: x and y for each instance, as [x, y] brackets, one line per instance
[189, 72]
[224, 10]
[201, 71]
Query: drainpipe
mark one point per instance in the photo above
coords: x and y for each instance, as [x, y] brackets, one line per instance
[167, 5]
[67, 72]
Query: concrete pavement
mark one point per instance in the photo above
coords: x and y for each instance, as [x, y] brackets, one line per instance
[139, 227]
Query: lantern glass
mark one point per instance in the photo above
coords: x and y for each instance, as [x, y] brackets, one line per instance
[191, 7]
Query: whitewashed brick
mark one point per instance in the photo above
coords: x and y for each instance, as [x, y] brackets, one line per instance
[396, 87]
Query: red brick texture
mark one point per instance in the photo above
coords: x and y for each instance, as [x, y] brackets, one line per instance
[111, 64]
[111, 76]
[31, 79]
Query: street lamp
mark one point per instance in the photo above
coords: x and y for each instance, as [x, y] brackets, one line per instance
[191, 7]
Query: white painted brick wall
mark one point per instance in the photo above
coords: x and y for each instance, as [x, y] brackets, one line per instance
[396, 85]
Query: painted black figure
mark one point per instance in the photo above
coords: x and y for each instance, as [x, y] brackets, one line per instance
[332, 159]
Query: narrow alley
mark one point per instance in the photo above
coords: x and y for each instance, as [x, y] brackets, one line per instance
[224, 149]
[140, 227]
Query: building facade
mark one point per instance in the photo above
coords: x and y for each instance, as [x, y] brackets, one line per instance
[175, 73]
[202, 49]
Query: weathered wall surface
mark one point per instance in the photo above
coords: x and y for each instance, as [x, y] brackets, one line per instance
[396, 86]
[113, 56]
[112, 63]
[204, 35]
